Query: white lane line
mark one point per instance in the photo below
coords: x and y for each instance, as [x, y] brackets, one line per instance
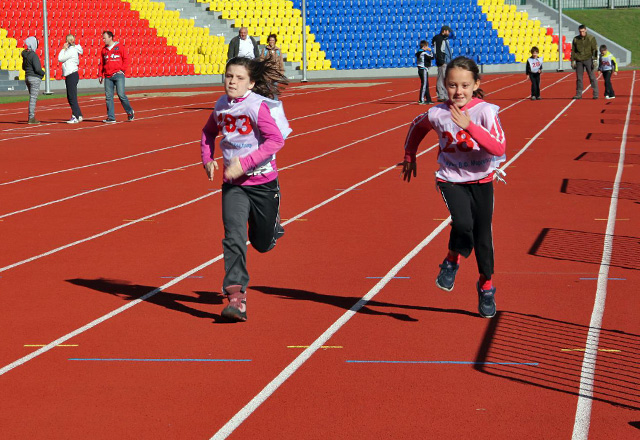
[97, 163]
[91, 191]
[588, 371]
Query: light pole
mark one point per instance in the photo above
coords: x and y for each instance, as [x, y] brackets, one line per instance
[560, 45]
[304, 41]
[47, 74]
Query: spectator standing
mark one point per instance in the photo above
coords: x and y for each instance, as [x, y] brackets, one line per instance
[69, 56]
[608, 66]
[423, 60]
[274, 53]
[243, 46]
[114, 62]
[584, 56]
[33, 75]
[444, 55]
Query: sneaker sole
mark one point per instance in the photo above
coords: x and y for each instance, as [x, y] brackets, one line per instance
[486, 316]
[234, 315]
[444, 288]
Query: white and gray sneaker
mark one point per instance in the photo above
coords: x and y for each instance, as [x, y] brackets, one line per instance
[73, 120]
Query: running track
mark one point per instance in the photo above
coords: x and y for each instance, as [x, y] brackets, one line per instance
[111, 263]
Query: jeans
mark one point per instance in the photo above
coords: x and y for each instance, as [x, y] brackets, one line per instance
[117, 81]
[71, 82]
[33, 85]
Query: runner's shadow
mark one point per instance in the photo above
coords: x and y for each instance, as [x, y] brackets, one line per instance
[347, 302]
[173, 301]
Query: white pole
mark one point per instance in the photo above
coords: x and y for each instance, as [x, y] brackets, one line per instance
[304, 41]
[47, 70]
[560, 48]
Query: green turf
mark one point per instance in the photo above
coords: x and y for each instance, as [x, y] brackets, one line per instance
[619, 25]
[25, 97]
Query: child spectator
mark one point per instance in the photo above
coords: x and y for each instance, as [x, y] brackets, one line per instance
[608, 65]
[534, 69]
[423, 59]
[472, 146]
[253, 129]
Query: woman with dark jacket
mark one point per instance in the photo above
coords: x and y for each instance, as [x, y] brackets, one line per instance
[33, 75]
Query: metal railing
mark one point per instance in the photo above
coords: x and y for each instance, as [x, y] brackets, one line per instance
[586, 4]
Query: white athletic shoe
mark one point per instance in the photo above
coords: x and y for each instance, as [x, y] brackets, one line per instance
[73, 120]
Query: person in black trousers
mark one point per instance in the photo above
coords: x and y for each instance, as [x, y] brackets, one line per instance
[70, 58]
[534, 69]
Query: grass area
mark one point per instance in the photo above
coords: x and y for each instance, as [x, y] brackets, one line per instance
[619, 25]
[25, 97]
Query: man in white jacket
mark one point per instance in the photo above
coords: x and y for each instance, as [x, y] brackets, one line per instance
[70, 58]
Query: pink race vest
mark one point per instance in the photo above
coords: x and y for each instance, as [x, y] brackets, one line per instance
[461, 159]
[238, 124]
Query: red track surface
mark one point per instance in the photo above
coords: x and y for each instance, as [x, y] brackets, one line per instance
[547, 234]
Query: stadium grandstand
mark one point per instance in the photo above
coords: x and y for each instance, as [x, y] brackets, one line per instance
[166, 41]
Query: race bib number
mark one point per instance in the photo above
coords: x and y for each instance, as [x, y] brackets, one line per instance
[462, 141]
[229, 123]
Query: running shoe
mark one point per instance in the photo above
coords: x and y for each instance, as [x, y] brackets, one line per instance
[447, 276]
[73, 120]
[130, 116]
[109, 121]
[577, 97]
[80, 119]
[237, 308]
[486, 301]
[33, 121]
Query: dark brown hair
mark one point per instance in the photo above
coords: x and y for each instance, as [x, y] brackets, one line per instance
[268, 80]
[470, 65]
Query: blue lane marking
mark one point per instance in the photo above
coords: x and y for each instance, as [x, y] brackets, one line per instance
[614, 279]
[393, 278]
[159, 360]
[443, 362]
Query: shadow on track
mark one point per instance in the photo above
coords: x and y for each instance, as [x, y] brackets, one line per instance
[173, 301]
[347, 302]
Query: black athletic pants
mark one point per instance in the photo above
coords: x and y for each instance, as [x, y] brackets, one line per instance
[424, 85]
[71, 81]
[535, 84]
[471, 209]
[608, 88]
[259, 207]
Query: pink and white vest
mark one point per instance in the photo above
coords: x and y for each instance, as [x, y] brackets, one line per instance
[460, 157]
[238, 123]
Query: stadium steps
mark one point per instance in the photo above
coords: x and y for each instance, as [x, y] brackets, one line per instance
[204, 17]
[8, 84]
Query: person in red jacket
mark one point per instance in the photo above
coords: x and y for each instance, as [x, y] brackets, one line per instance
[114, 62]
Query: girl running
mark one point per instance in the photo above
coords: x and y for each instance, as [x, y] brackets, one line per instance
[472, 145]
[253, 129]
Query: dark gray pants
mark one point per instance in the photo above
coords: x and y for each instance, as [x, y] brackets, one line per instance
[259, 207]
[441, 90]
[33, 85]
[581, 67]
[471, 209]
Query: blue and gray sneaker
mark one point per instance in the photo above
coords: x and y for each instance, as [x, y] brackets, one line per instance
[486, 302]
[447, 276]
